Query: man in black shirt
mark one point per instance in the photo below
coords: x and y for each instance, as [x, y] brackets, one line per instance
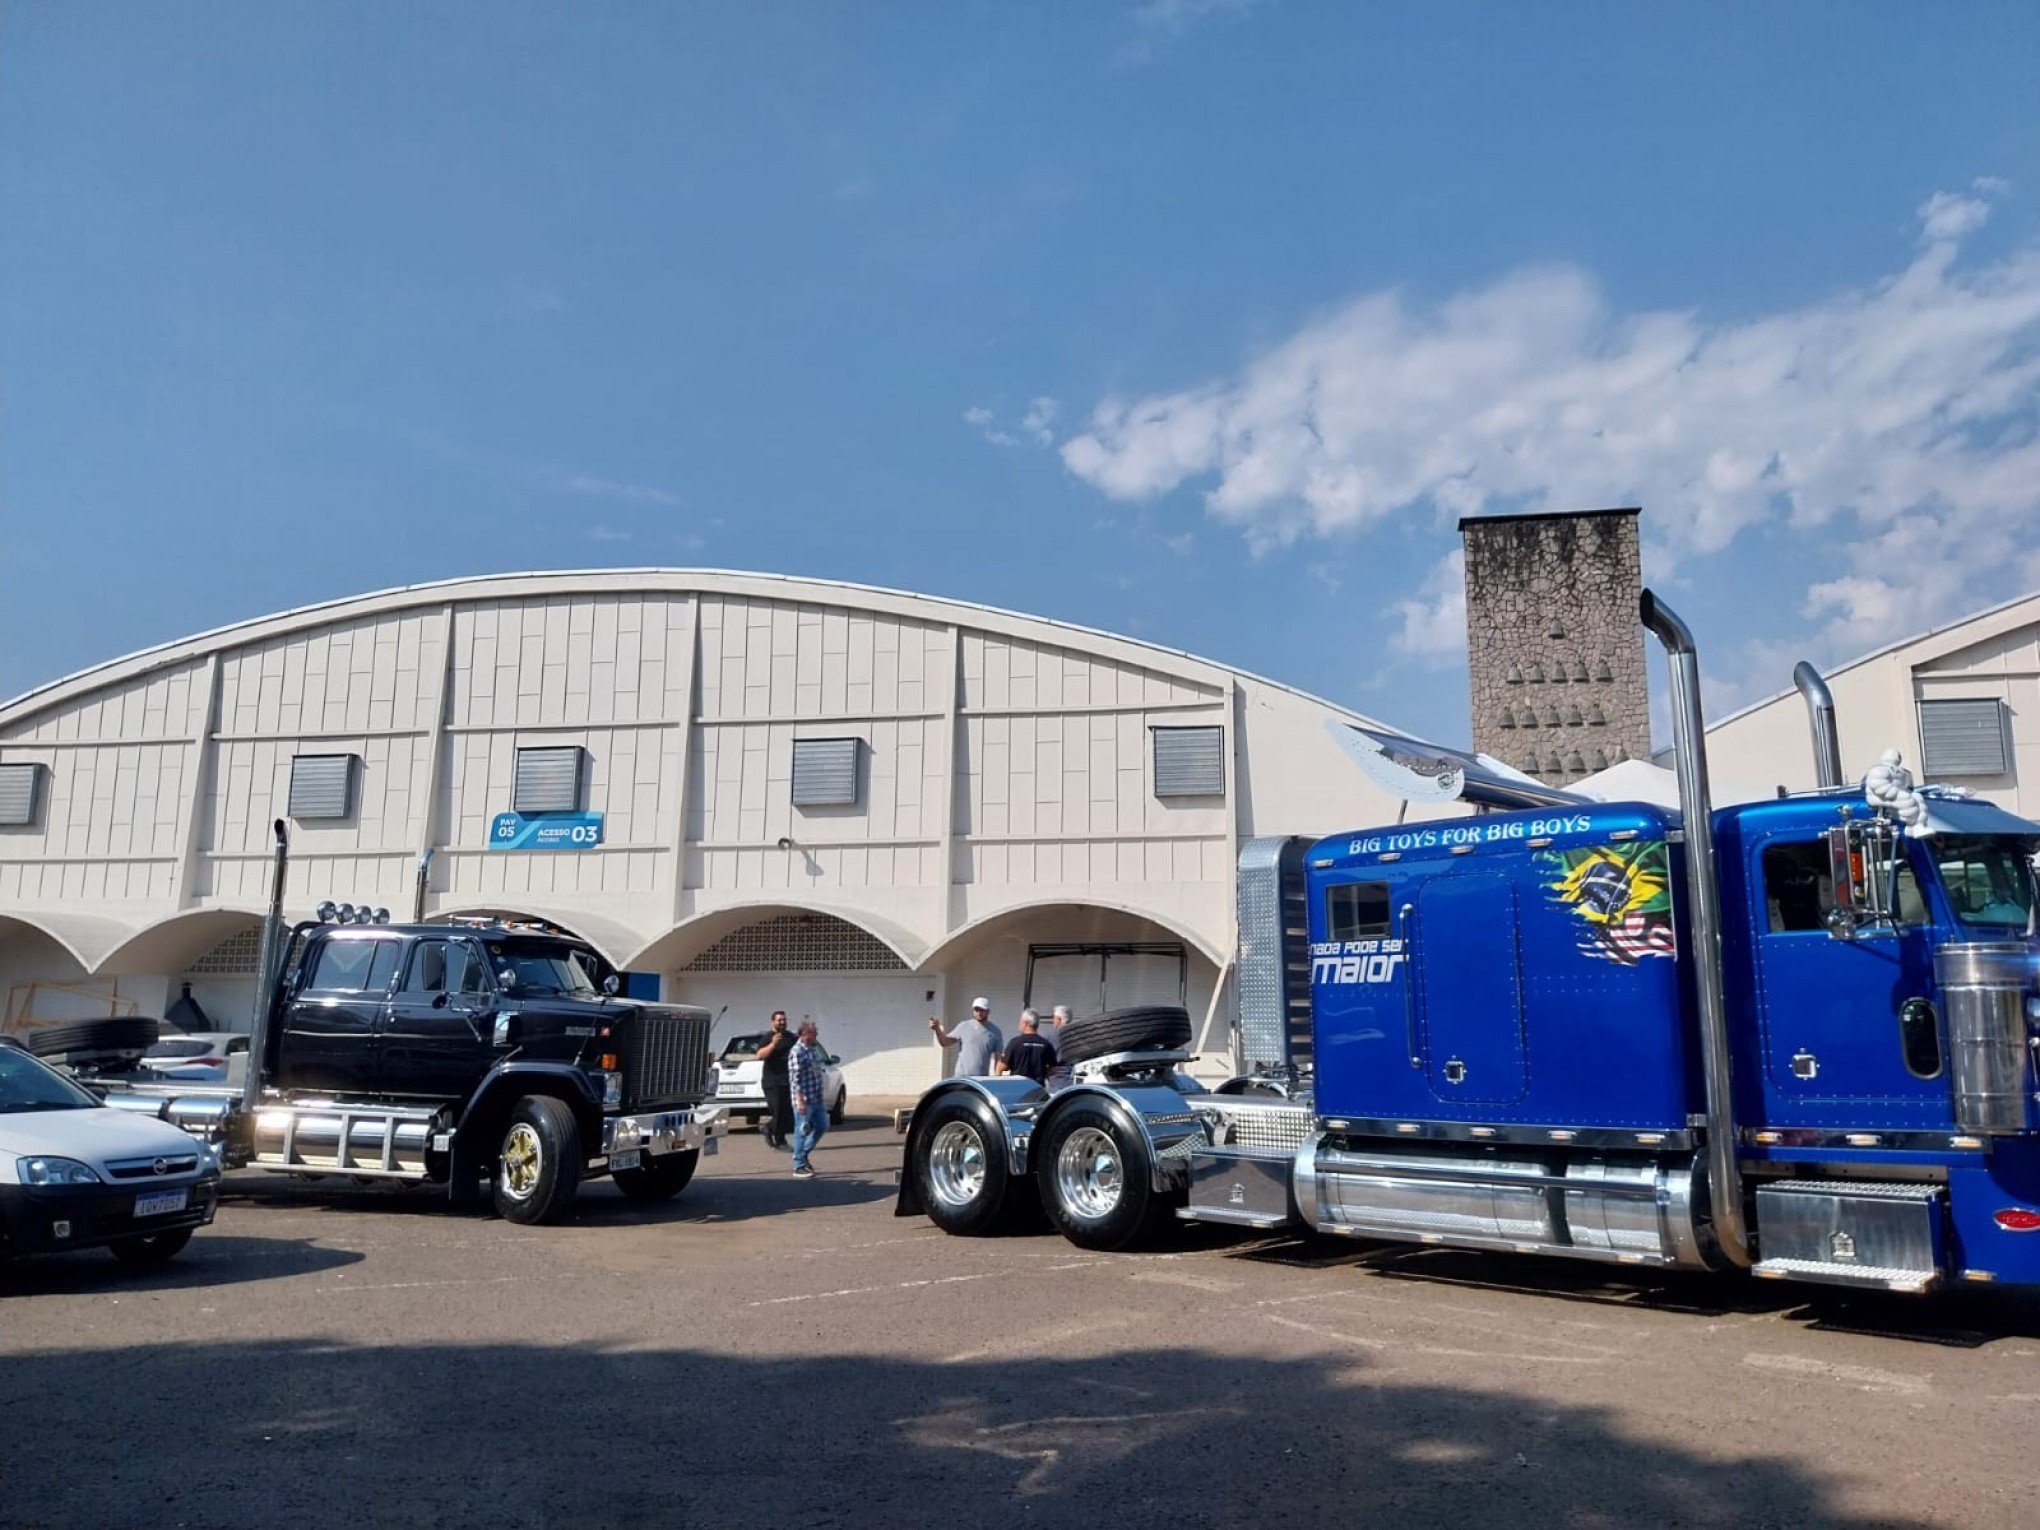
[773, 1054]
[1030, 1053]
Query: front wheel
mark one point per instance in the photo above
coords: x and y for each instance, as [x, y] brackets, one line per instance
[658, 1179]
[538, 1166]
[960, 1169]
[1094, 1176]
[154, 1249]
[841, 1108]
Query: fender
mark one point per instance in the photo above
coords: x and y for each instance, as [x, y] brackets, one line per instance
[1007, 1105]
[513, 1077]
[1158, 1115]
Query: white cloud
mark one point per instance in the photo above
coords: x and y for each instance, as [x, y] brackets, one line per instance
[1888, 432]
[1433, 626]
[608, 534]
[980, 419]
[1039, 420]
[625, 493]
[1174, 15]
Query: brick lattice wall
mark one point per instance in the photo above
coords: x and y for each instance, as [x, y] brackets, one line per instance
[1554, 648]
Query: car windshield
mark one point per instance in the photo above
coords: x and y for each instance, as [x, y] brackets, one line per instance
[26, 1085]
[1989, 878]
[546, 966]
[737, 1048]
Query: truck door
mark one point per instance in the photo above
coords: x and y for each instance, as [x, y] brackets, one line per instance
[329, 1026]
[436, 1033]
[1835, 1051]
[1470, 989]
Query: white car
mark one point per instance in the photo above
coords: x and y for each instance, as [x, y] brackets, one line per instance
[218, 1056]
[75, 1174]
[740, 1080]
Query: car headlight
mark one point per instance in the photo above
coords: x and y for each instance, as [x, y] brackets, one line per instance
[55, 1171]
[612, 1090]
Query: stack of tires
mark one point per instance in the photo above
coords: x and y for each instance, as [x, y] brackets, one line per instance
[111, 1045]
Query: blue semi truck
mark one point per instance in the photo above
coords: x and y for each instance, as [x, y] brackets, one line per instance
[1800, 1043]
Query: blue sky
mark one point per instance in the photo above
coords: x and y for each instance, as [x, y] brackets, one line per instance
[1201, 320]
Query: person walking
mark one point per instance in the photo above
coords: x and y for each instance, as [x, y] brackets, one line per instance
[977, 1040]
[1029, 1054]
[1061, 1075]
[810, 1110]
[773, 1056]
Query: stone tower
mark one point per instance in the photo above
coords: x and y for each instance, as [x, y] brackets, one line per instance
[1554, 647]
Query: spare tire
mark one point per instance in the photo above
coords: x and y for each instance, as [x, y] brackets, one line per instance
[133, 1033]
[1143, 1028]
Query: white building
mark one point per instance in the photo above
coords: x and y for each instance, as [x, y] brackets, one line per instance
[847, 802]
[1961, 703]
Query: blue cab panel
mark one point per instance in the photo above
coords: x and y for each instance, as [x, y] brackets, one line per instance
[1514, 968]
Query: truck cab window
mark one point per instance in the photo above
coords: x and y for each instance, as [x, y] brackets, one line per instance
[428, 968]
[1356, 911]
[1989, 879]
[355, 966]
[1799, 891]
[466, 972]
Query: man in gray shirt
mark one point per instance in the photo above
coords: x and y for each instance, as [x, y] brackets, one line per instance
[977, 1040]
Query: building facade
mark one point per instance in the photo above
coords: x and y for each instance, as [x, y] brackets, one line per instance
[1555, 664]
[1961, 703]
[856, 804]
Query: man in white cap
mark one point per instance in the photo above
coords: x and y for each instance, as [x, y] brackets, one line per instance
[977, 1040]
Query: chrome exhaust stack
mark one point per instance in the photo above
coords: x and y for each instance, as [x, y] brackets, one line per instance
[266, 974]
[1689, 757]
[1820, 711]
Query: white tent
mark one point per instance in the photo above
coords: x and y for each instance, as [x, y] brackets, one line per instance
[1630, 781]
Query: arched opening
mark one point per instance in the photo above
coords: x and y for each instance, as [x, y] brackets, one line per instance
[1091, 957]
[203, 962]
[44, 977]
[614, 942]
[868, 1004]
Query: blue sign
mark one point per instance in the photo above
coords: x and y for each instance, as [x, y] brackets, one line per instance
[545, 831]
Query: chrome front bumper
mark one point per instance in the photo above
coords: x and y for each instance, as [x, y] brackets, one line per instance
[669, 1131]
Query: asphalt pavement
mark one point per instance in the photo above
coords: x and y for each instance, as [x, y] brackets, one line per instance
[787, 1352]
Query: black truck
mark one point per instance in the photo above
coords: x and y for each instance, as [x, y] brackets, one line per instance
[478, 1056]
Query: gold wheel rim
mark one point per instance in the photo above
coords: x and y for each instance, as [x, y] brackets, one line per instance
[523, 1154]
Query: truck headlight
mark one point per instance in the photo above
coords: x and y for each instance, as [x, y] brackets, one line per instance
[612, 1091]
[55, 1171]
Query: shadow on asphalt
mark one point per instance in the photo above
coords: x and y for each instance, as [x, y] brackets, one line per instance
[1967, 1318]
[212, 1259]
[316, 1432]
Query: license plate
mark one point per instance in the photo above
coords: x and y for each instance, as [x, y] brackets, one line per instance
[628, 1160]
[731, 1089]
[161, 1202]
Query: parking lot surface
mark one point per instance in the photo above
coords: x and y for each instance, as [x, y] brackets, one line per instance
[781, 1351]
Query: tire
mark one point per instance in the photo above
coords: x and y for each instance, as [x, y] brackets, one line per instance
[658, 1179]
[960, 1168]
[147, 1252]
[1093, 1175]
[1145, 1028]
[132, 1033]
[841, 1108]
[538, 1165]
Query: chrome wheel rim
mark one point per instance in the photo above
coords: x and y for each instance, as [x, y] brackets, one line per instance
[1090, 1175]
[523, 1154]
[956, 1164]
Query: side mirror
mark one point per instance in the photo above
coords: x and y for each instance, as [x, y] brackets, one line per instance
[1863, 865]
[506, 978]
[610, 984]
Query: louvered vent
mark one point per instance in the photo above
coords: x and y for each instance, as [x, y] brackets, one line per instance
[1189, 762]
[20, 794]
[322, 785]
[825, 772]
[1963, 738]
[549, 780]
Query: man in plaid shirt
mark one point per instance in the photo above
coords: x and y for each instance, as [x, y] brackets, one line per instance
[804, 1082]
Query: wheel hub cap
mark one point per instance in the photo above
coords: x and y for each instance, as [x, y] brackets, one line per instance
[522, 1155]
[956, 1164]
[1090, 1176]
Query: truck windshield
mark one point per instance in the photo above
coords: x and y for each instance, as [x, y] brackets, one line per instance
[1989, 878]
[543, 966]
[26, 1085]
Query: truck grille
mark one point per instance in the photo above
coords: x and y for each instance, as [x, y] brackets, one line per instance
[667, 1063]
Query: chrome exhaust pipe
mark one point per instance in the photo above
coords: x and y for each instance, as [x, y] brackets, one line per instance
[266, 965]
[1689, 757]
[1820, 711]
[424, 880]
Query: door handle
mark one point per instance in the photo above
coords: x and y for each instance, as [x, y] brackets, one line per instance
[1405, 924]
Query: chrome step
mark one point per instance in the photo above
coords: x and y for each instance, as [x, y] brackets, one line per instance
[1864, 1276]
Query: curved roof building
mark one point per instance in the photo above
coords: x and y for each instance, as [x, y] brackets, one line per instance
[764, 792]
